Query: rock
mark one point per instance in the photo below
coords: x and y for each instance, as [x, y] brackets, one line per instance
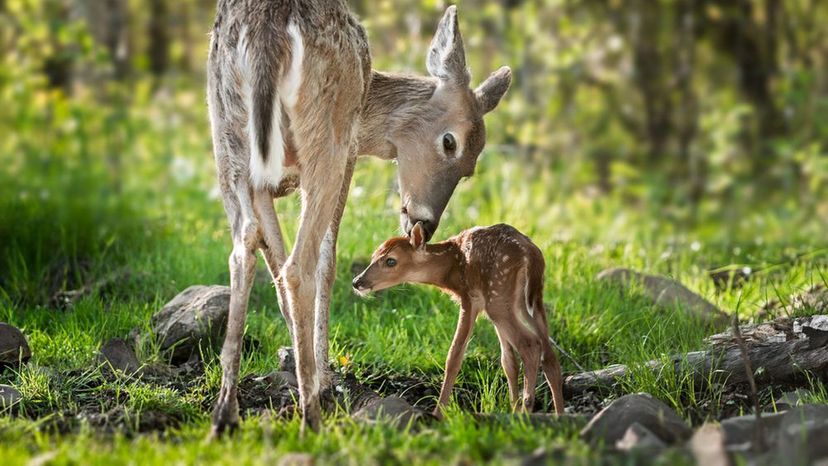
[708, 447]
[13, 347]
[813, 301]
[791, 399]
[197, 315]
[739, 433]
[803, 435]
[9, 396]
[391, 408]
[639, 439]
[278, 379]
[611, 424]
[119, 356]
[287, 362]
[666, 292]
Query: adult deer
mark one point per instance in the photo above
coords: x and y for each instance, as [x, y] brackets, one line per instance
[293, 101]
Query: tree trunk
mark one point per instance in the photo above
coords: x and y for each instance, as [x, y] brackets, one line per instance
[781, 350]
[159, 37]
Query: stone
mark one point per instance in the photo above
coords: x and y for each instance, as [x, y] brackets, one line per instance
[391, 408]
[287, 361]
[278, 379]
[14, 348]
[708, 446]
[639, 439]
[803, 435]
[812, 301]
[667, 293]
[9, 396]
[611, 424]
[196, 316]
[739, 433]
[119, 356]
[791, 399]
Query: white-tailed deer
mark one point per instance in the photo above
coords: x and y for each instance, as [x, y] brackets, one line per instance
[293, 101]
[496, 270]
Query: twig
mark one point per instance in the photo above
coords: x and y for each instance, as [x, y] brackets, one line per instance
[758, 433]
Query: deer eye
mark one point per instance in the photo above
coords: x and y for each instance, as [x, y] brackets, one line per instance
[449, 143]
[390, 262]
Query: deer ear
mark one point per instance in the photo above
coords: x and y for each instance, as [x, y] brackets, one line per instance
[417, 238]
[446, 56]
[493, 88]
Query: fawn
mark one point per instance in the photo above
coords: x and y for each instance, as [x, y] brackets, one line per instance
[497, 270]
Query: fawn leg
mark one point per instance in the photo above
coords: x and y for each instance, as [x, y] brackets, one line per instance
[510, 367]
[552, 372]
[456, 353]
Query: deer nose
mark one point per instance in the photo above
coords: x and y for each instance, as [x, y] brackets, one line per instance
[428, 227]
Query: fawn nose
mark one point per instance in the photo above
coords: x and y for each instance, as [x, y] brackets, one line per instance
[358, 283]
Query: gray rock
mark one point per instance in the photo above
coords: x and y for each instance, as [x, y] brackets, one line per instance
[9, 396]
[196, 316]
[791, 399]
[392, 409]
[739, 433]
[278, 379]
[813, 301]
[287, 362]
[14, 348]
[803, 435]
[668, 293]
[611, 424]
[708, 447]
[119, 356]
[639, 439]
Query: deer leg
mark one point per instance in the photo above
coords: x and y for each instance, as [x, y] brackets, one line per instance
[510, 367]
[242, 263]
[272, 248]
[455, 356]
[530, 354]
[552, 372]
[321, 180]
[326, 274]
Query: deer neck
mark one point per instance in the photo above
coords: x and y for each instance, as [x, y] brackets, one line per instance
[446, 264]
[389, 95]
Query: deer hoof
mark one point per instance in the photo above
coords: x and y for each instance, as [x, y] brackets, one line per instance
[312, 417]
[225, 420]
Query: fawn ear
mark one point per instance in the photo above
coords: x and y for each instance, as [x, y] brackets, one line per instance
[446, 56]
[417, 238]
[492, 89]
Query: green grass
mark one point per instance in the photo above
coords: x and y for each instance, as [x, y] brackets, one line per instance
[156, 225]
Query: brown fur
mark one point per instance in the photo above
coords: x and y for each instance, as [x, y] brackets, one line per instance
[497, 270]
[342, 108]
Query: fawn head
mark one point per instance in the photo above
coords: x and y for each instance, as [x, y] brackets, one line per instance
[438, 141]
[398, 260]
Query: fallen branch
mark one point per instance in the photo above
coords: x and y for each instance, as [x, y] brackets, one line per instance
[780, 350]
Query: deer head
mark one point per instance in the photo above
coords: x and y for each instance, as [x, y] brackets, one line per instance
[438, 141]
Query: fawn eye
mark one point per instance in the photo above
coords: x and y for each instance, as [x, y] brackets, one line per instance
[449, 143]
[390, 262]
